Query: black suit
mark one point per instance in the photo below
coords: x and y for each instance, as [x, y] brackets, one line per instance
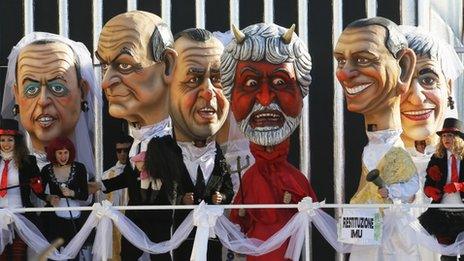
[219, 181]
[444, 224]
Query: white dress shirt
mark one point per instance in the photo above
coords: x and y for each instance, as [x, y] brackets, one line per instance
[143, 135]
[195, 156]
[452, 198]
[13, 196]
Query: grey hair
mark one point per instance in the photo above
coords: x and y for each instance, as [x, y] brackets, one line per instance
[263, 41]
[394, 39]
[161, 40]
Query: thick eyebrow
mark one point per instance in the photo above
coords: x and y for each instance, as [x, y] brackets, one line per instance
[428, 70]
[196, 70]
[364, 51]
[248, 68]
[124, 50]
[215, 71]
[281, 70]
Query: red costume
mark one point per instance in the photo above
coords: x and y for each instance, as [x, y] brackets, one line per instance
[265, 183]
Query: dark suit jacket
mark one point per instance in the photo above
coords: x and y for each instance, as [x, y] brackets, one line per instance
[442, 164]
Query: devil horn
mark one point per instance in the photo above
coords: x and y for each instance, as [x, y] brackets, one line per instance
[287, 36]
[239, 35]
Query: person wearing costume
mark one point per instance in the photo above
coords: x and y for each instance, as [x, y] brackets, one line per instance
[65, 182]
[135, 51]
[427, 102]
[375, 67]
[266, 89]
[118, 197]
[198, 109]
[50, 85]
[445, 184]
[20, 176]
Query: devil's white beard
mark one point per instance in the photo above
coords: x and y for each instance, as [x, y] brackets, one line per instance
[268, 136]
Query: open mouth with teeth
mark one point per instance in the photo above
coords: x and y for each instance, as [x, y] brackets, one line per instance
[45, 120]
[357, 89]
[207, 112]
[418, 115]
[267, 118]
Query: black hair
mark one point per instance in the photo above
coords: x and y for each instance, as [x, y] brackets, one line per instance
[124, 138]
[195, 34]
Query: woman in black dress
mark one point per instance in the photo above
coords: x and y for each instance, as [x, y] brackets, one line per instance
[65, 181]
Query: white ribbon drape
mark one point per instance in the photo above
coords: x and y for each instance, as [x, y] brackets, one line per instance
[210, 222]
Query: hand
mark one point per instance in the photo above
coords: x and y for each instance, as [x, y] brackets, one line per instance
[287, 197]
[452, 187]
[241, 212]
[94, 187]
[433, 193]
[54, 200]
[216, 198]
[67, 192]
[187, 199]
[383, 192]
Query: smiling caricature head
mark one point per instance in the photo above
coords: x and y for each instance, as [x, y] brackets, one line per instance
[265, 74]
[423, 107]
[135, 50]
[197, 105]
[374, 64]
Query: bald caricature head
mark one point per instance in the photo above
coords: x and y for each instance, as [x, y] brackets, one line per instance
[135, 50]
[49, 91]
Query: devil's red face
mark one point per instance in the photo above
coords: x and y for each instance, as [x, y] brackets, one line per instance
[266, 98]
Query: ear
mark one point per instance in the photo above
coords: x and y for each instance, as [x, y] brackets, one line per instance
[170, 60]
[407, 63]
[450, 88]
[15, 91]
[84, 86]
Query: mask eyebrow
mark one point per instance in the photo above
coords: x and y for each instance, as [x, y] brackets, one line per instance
[248, 68]
[428, 70]
[124, 50]
[196, 71]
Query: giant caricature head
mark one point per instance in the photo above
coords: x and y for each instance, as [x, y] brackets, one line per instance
[265, 74]
[134, 49]
[374, 64]
[51, 79]
[423, 106]
[197, 105]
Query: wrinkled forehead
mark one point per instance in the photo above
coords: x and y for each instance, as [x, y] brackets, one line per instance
[196, 52]
[370, 37]
[125, 33]
[264, 68]
[43, 58]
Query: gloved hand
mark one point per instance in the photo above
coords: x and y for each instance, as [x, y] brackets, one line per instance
[452, 187]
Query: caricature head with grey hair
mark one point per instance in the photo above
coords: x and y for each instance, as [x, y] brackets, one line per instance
[265, 73]
[423, 107]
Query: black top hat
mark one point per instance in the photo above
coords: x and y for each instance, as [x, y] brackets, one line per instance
[452, 125]
[9, 127]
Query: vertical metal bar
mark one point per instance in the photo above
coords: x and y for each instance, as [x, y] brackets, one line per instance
[423, 13]
[304, 122]
[131, 5]
[97, 11]
[339, 149]
[200, 13]
[234, 10]
[371, 8]
[28, 16]
[408, 14]
[63, 18]
[166, 11]
[268, 11]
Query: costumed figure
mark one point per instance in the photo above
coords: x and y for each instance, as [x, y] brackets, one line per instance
[65, 182]
[198, 109]
[118, 197]
[135, 50]
[50, 83]
[265, 74]
[20, 176]
[375, 67]
[445, 184]
[427, 102]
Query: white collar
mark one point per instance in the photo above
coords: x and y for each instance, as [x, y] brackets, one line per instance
[7, 155]
[380, 142]
[383, 136]
[146, 133]
[198, 156]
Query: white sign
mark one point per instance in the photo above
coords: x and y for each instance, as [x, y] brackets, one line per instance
[360, 226]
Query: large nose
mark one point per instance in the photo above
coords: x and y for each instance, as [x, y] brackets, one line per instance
[416, 94]
[265, 96]
[207, 90]
[347, 72]
[44, 96]
[110, 79]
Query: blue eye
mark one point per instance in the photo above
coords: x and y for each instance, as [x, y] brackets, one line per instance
[58, 89]
[31, 90]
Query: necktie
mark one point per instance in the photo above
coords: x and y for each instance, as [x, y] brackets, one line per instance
[200, 186]
[454, 169]
[4, 182]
